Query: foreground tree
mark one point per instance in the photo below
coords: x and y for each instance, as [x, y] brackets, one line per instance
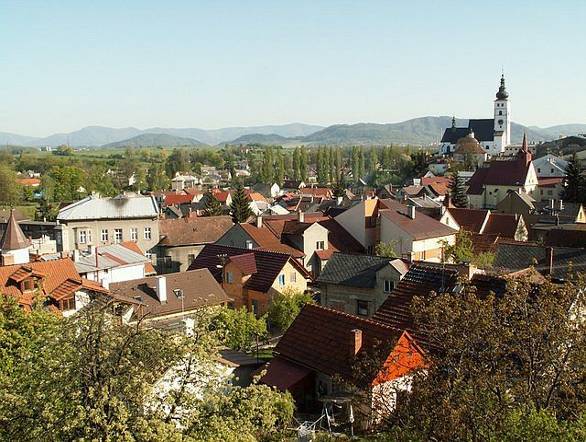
[286, 306]
[458, 191]
[92, 378]
[462, 252]
[492, 355]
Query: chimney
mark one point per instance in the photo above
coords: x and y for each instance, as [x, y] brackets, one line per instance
[411, 211]
[355, 342]
[549, 259]
[301, 216]
[105, 283]
[161, 289]
[443, 209]
[259, 221]
[76, 254]
[561, 205]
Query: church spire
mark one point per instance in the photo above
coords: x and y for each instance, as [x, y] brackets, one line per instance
[502, 93]
[524, 147]
[454, 122]
[13, 238]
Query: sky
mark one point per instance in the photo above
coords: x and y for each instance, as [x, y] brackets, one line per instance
[209, 64]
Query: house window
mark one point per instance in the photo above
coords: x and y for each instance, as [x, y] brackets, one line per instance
[150, 257]
[320, 245]
[249, 244]
[551, 170]
[68, 304]
[255, 306]
[133, 234]
[388, 286]
[282, 279]
[293, 277]
[148, 233]
[82, 236]
[539, 170]
[104, 235]
[229, 277]
[117, 235]
[362, 308]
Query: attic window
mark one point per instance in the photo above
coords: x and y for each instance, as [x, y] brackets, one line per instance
[68, 304]
[28, 285]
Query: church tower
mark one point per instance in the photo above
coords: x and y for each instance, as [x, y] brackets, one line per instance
[502, 118]
[14, 245]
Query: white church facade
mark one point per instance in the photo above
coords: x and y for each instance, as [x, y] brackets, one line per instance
[493, 134]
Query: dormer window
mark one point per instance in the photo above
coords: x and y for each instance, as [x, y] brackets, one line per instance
[68, 304]
[229, 277]
[28, 285]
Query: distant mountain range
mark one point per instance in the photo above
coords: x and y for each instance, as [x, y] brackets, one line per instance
[417, 131]
[93, 136]
[165, 140]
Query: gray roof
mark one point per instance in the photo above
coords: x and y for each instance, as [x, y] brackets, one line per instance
[357, 270]
[119, 207]
[519, 256]
[115, 255]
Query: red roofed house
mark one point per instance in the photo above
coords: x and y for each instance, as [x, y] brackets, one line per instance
[490, 185]
[58, 280]
[485, 222]
[29, 182]
[252, 278]
[323, 346]
[415, 235]
[311, 238]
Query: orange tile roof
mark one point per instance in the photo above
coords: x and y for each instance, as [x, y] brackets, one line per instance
[29, 182]
[178, 198]
[59, 278]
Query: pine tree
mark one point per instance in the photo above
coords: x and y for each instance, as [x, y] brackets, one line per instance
[296, 164]
[279, 174]
[212, 206]
[338, 164]
[240, 208]
[303, 164]
[459, 197]
[360, 162]
[575, 186]
[355, 164]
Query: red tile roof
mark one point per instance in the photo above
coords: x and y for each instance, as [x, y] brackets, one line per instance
[266, 240]
[470, 220]
[550, 182]
[59, 279]
[178, 198]
[268, 264]
[187, 231]
[322, 192]
[420, 227]
[501, 173]
[29, 182]
[426, 181]
[320, 339]
[221, 195]
[245, 263]
[502, 224]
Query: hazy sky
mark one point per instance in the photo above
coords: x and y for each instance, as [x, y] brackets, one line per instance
[69, 64]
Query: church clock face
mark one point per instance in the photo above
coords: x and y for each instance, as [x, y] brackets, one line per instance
[501, 122]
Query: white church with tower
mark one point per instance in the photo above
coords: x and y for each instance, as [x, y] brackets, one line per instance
[493, 134]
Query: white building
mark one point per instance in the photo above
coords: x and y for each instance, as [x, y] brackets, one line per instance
[493, 134]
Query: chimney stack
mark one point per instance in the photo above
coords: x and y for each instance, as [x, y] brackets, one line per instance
[355, 342]
[411, 211]
[161, 289]
[259, 221]
[301, 216]
[76, 254]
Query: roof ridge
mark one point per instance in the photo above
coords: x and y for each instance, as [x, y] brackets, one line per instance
[353, 317]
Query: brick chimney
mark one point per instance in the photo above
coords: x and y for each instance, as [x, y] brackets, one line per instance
[301, 216]
[355, 342]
